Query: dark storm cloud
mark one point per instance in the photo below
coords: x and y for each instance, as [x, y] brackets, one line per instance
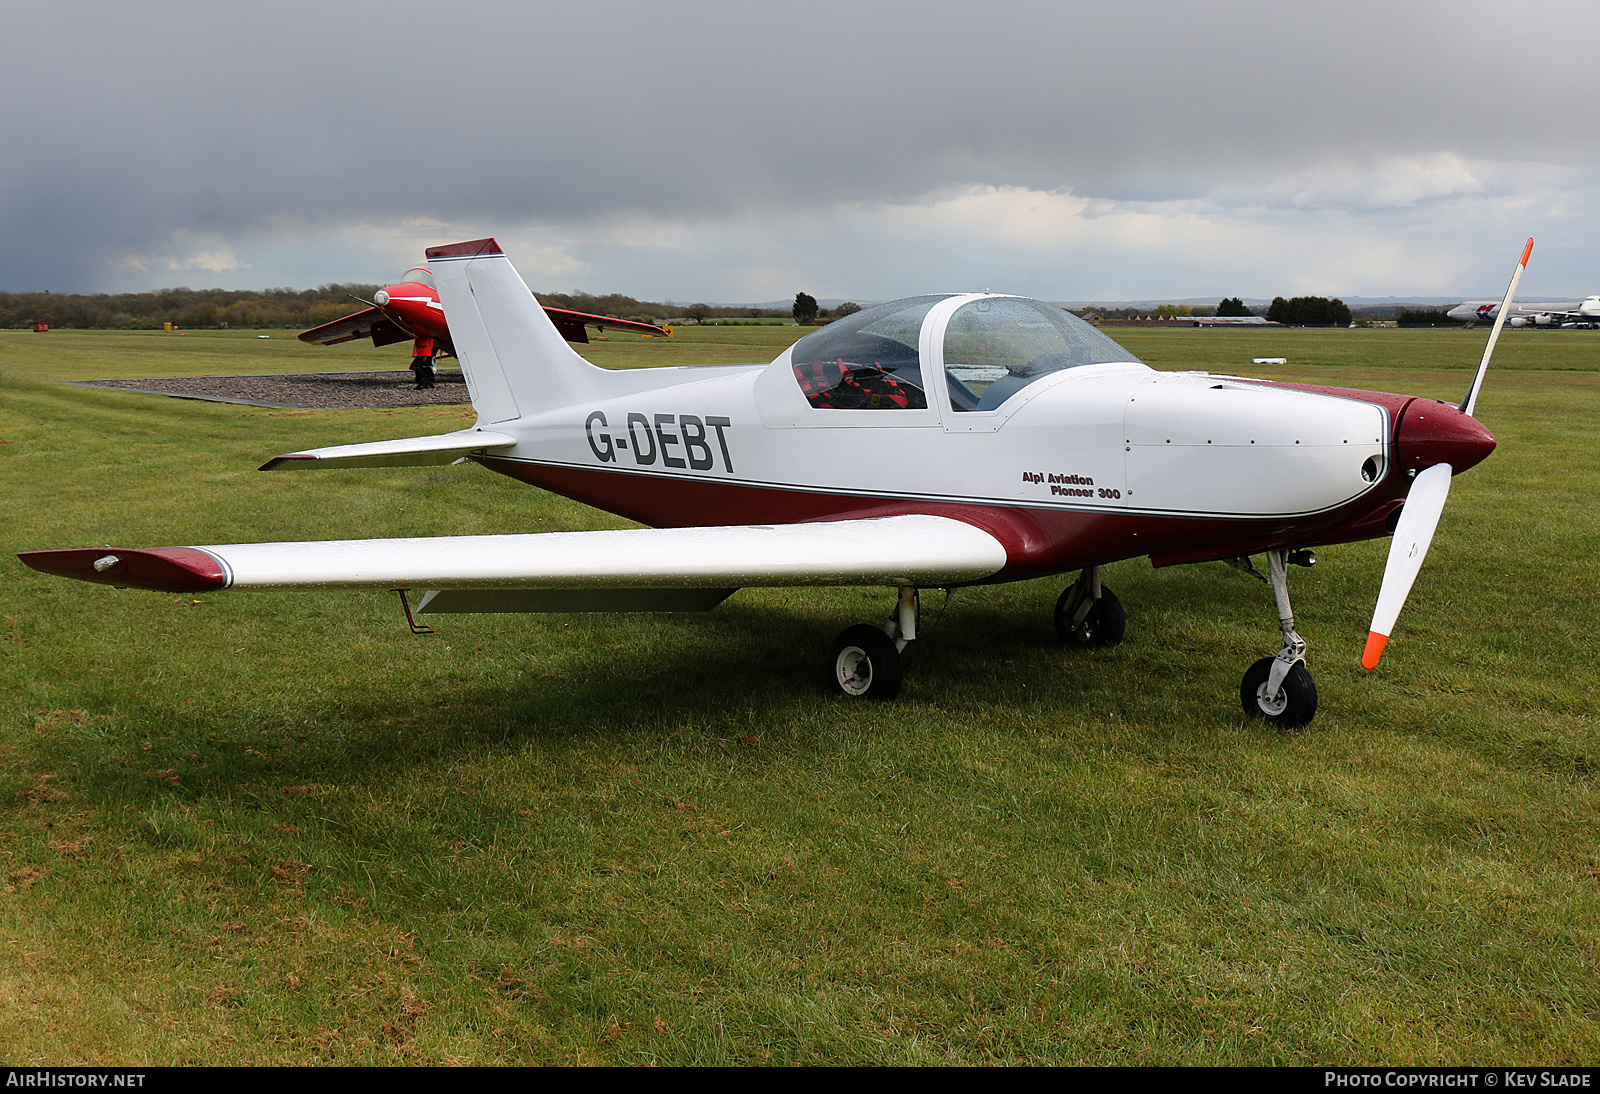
[133, 123]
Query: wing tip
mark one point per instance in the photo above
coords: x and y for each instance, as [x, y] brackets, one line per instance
[164, 569]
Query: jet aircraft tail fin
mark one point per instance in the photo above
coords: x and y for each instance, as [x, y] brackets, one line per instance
[515, 361]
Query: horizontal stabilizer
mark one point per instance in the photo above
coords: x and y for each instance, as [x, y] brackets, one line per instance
[405, 452]
[909, 550]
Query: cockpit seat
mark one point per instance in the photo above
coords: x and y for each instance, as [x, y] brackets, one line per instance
[841, 385]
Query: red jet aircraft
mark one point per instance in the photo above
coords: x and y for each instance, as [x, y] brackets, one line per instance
[940, 441]
[411, 309]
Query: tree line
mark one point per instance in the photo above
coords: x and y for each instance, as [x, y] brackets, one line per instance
[296, 309]
[1301, 311]
[299, 309]
[184, 307]
[1309, 311]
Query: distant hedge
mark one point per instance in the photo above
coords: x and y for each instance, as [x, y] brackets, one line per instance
[1426, 319]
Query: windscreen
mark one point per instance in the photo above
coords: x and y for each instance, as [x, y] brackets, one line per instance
[996, 346]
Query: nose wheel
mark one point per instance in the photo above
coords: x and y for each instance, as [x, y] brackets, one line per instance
[1295, 702]
[1280, 689]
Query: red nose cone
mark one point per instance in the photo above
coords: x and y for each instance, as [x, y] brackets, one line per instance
[415, 307]
[1432, 432]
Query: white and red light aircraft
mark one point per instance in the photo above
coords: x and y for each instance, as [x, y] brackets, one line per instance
[411, 309]
[938, 441]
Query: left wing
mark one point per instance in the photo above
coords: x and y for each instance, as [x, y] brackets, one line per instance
[906, 550]
[386, 332]
[571, 324]
[369, 321]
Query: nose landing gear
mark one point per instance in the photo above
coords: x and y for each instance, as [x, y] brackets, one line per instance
[1280, 689]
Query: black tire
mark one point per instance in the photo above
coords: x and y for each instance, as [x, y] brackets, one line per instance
[866, 664]
[1101, 629]
[1296, 704]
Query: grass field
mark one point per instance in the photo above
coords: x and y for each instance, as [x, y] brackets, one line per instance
[278, 828]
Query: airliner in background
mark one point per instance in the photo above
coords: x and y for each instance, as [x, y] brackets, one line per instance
[1584, 313]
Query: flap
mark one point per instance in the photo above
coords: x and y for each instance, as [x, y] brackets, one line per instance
[537, 601]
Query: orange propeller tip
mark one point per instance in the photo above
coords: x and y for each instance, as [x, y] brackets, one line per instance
[1374, 650]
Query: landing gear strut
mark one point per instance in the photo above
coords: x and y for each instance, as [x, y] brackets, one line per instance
[1280, 689]
[866, 659]
[1089, 615]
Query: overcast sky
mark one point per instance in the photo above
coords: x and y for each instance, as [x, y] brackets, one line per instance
[741, 151]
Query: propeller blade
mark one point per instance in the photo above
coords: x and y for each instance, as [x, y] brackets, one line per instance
[1409, 547]
[1470, 402]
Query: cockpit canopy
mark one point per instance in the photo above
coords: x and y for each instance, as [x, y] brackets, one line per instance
[866, 361]
[420, 275]
[990, 348]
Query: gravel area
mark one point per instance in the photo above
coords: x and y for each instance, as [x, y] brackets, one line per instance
[304, 391]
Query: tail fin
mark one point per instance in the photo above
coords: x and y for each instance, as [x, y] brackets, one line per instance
[514, 359]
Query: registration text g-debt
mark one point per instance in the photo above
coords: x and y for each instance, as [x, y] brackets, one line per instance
[652, 438]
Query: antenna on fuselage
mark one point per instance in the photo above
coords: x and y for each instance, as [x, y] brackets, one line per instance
[1499, 321]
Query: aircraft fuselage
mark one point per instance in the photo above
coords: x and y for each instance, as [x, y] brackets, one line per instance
[1094, 464]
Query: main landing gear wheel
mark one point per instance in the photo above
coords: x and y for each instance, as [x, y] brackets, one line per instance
[1296, 701]
[1101, 626]
[866, 663]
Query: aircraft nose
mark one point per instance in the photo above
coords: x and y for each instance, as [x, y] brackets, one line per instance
[1432, 432]
[381, 298]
